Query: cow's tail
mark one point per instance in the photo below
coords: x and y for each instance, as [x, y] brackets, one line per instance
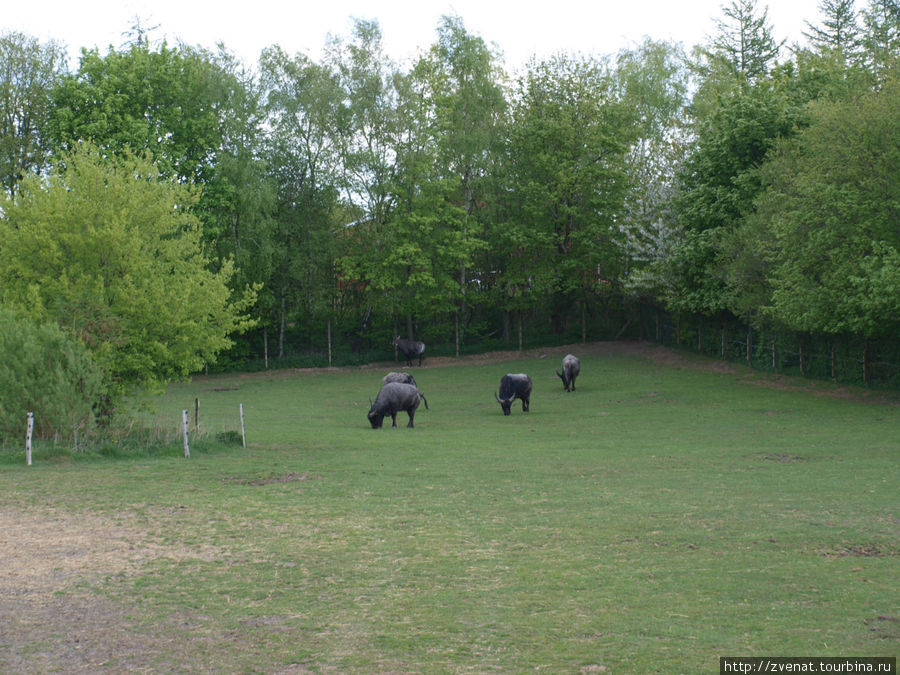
[424, 399]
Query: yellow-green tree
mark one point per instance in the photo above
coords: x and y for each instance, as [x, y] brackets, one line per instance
[110, 250]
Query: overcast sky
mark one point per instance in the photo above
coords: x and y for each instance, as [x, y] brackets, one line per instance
[520, 28]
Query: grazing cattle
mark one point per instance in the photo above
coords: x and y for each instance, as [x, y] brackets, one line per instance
[394, 397]
[513, 386]
[402, 378]
[409, 349]
[571, 366]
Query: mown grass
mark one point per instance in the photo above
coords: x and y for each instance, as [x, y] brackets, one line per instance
[654, 520]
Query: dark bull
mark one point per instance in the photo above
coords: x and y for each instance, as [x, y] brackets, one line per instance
[394, 397]
[571, 366]
[409, 349]
[513, 386]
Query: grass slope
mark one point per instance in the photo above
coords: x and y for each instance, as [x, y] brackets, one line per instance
[654, 520]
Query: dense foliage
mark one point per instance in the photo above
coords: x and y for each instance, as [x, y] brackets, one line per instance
[455, 202]
[47, 371]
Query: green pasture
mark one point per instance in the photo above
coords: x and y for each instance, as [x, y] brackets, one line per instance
[659, 517]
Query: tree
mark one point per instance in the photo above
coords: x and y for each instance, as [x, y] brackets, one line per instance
[29, 72]
[880, 38]
[652, 83]
[469, 104]
[304, 106]
[164, 101]
[107, 248]
[744, 41]
[838, 32]
[719, 182]
[832, 213]
[567, 182]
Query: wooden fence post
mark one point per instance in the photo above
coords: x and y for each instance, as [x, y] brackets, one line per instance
[28, 434]
[184, 419]
[197, 415]
[243, 436]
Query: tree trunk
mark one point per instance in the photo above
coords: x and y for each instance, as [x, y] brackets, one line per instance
[775, 352]
[866, 363]
[329, 342]
[456, 331]
[584, 322]
[520, 329]
[281, 325]
[409, 327]
[749, 345]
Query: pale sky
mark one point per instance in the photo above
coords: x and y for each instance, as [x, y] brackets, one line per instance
[520, 28]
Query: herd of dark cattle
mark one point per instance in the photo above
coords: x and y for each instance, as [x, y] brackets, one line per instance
[399, 391]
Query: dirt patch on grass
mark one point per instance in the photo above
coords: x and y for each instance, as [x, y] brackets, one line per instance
[50, 620]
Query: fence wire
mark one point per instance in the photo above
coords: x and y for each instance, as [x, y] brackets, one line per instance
[845, 359]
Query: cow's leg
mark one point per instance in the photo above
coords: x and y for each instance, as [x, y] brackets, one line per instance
[524, 405]
[394, 420]
[412, 413]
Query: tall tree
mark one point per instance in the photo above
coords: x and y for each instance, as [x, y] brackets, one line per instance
[107, 248]
[653, 83]
[469, 104]
[29, 72]
[304, 104]
[880, 38]
[832, 214]
[743, 44]
[838, 32]
[567, 174]
[718, 185]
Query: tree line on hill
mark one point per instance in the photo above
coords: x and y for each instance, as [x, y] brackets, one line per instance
[169, 206]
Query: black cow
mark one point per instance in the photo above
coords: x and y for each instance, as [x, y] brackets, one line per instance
[403, 378]
[394, 397]
[571, 366]
[409, 349]
[513, 386]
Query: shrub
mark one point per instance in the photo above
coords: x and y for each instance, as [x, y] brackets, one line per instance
[45, 371]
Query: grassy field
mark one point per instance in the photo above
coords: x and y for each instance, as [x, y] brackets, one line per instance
[665, 514]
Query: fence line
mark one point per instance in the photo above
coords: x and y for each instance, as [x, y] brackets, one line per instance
[846, 359]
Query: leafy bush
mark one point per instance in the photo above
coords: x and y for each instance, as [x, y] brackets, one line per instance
[49, 373]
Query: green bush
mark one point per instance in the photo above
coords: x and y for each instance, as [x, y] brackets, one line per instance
[45, 371]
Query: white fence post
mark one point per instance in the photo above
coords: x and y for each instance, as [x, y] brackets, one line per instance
[187, 448]
[28, 435]
[243, 437]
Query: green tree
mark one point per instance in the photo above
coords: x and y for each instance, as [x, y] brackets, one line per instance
[832, 213]
[718, 185]
[838, 32]
[880, 37]
[107, 248]
[165, 101]
[744, 43]
[29, 72]
[568, 180]
[653, 82]
[304, 106]
[469, 104]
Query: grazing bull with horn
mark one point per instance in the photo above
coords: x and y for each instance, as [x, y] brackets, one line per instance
[394, 397]
[402, 378]
[513, 386]
[409, 349]
[571, 366]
